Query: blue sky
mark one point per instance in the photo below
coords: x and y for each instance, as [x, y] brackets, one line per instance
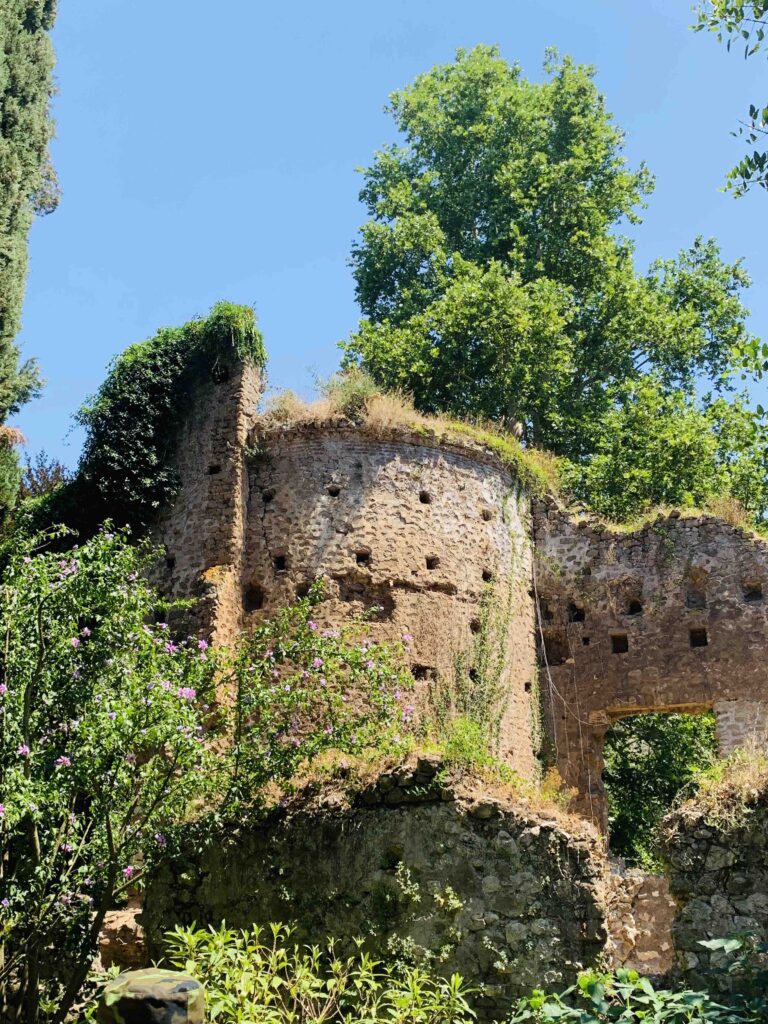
[208, 151]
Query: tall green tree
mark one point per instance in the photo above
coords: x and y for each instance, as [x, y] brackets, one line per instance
[494, 281]
[27, 187]
[742, 22]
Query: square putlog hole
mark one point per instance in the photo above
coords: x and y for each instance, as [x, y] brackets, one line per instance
[432, 561]
[698, 637]
[619, 643]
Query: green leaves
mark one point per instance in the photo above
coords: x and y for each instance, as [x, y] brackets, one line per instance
[493, 284]
[258, 976]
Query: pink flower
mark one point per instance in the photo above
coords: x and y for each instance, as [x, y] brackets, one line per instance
[408, 711]
[171, 648]
[186, 693]
[165, 685]
[161, 840]
[202, 645]
[397, 695]
[129, 872]
[407, 638]
[27, 559]
[2, 810]
[75, 641]
[85, 631]
[317, 663]
[312, 625]
[369, 664]
[3, 689]
[63, 761]
[22, 750]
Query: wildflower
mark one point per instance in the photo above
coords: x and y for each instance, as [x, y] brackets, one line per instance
[296, 741]
[85, 632]
[2, 810]
[129, 872]
[162, 625]
[202, 645]
[27, 559]
[408, 711]
[171, 648]
[63, 761]
[112, 715]
[328, 730]
[407, 638]
[67, 848]
[5, 902]
[165, 685]
[312, 625]
[23, 750]
[130, 758]
[3, 689]
[317, 663]
[186, 693]
[75, 641]
[369, 664]
[161, 840]
[397, 695]
[331, 633]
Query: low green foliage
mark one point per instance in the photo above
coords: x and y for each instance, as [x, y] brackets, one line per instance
[631, 999]
[259, 977]
[649, 760]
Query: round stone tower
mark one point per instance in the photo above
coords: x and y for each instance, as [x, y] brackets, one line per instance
[432, 539]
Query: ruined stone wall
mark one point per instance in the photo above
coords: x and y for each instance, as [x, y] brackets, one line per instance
[719, 878]
[417, 869]
[436, 537]
[203, 532]
[670, 617]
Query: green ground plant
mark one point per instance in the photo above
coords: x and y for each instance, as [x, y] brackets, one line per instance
[259, 975]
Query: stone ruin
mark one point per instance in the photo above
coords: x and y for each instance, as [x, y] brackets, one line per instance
[599, 624]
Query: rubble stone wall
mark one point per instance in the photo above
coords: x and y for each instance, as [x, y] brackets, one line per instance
[508, 899]
[669, 617]
[719, 878]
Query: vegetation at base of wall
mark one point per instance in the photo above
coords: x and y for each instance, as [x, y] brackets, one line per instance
[259, 975]
[729, 790]
[354, 395]
[102, 758]
[628, 997]
[649, 760]
[27, 187]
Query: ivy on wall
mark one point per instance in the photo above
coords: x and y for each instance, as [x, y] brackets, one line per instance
[127, 471]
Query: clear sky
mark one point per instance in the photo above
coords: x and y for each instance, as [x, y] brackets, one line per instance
[208, 151]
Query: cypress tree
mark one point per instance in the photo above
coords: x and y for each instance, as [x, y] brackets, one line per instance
[27, 186]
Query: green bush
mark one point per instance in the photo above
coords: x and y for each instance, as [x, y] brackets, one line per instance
[259, 977]
[631, 999]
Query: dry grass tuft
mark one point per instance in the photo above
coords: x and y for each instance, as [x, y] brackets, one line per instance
[354, 396]
[730, 789]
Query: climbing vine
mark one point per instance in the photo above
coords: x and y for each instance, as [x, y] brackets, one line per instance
[127, 471]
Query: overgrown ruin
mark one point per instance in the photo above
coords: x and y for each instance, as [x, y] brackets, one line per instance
[438, 539]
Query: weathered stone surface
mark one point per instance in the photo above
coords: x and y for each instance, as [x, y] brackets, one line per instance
[426, 879]
[152, 996]
[622, 617]
[719, 877]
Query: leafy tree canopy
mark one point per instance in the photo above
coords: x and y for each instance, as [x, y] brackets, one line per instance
[742, 21]
[494, 283]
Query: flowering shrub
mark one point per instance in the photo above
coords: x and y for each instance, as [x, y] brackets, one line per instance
[301, 689]
[258, 976]
[101, 750]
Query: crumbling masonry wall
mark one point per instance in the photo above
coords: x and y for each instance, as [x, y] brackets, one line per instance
[416, 869]
[670, 617]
